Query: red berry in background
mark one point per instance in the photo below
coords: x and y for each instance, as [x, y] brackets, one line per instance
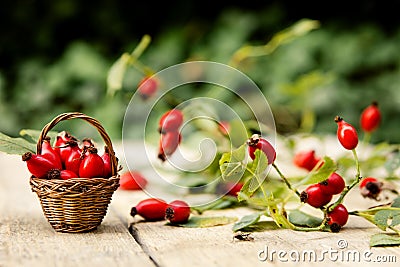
[91, 165]
[315, 196]
[147, 87]
[74, 160]
[38, 165]
[168, 144]
[178, 211]
[256, 142]
[50, 153]
[132, 180]
[107, 162]
[333, 185]
[370, 118]
[337, 218]
[346, 134]
[224, 127]
[370, 187]
[151, 209]
[170, 121]
[306, 159]
[234, 188]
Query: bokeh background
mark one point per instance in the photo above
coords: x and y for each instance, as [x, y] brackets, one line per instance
[55, 55]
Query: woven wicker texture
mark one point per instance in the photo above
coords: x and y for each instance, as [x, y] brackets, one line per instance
[78, 204]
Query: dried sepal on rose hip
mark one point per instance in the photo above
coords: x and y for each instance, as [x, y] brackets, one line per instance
[370, 187]
[315, 196]
[61, 174]
[346, 134]
[38, 165]
[333, 185]
[151, 209]
[337, 218]
[257, 142]
[177, 212]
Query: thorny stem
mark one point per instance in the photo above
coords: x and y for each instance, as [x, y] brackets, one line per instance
[285, 180]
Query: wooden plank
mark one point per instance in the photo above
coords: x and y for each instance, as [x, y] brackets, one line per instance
[27, 239]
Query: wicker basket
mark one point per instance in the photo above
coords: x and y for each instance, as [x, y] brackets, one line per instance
[78, 204]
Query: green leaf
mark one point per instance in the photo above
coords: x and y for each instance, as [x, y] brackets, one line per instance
[205, 222]
[393, 163]
[321, 174]
[231, 164]
[116, 74]
[396, 203]
[246, 221]
[384, 240]
[33, 135]
[260, 227]
[258, 173]
[15, 146]
[386, 218]
[301, 218]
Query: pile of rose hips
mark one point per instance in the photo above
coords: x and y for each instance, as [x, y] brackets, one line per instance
[68, 158]
[169, 125]
[155, 209]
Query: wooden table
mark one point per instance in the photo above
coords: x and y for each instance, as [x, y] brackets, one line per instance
[27, 239]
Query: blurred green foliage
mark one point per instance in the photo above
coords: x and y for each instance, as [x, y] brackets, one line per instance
[330, 71]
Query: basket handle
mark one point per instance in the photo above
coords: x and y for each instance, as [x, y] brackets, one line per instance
[93, 122]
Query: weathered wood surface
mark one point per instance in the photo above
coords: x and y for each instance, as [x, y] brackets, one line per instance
[26, 238]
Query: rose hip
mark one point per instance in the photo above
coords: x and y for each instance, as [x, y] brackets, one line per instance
[256, 142]
[38, 165]
[337, 218]
[333, 185]
[151, 209]
[168, 144]
[132, 180]
[315, 196]
[178, 211]
[107, 162]
[91, 165]
[346, 134]
[306, 159]
[370, 118]
[50, 153]
[147, 87]
[170, 121]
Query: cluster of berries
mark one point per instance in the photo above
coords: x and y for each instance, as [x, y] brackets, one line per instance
[155, 209]
[169, 125]
[68, 158]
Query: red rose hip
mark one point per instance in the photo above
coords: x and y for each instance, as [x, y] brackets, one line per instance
[306, 159]
[315, 196]
[346, 134]
[147, 87]
[333, 185]
[151, 209]
[256, 142]
[92, 165]
[370, 118]
[170, 121]
[38, 165]
[337, 218]
[132, 180]
[178, 211]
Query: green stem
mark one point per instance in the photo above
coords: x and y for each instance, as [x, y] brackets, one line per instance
[347, 188]
[137, 52]
[367, 137]
[285, 180]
